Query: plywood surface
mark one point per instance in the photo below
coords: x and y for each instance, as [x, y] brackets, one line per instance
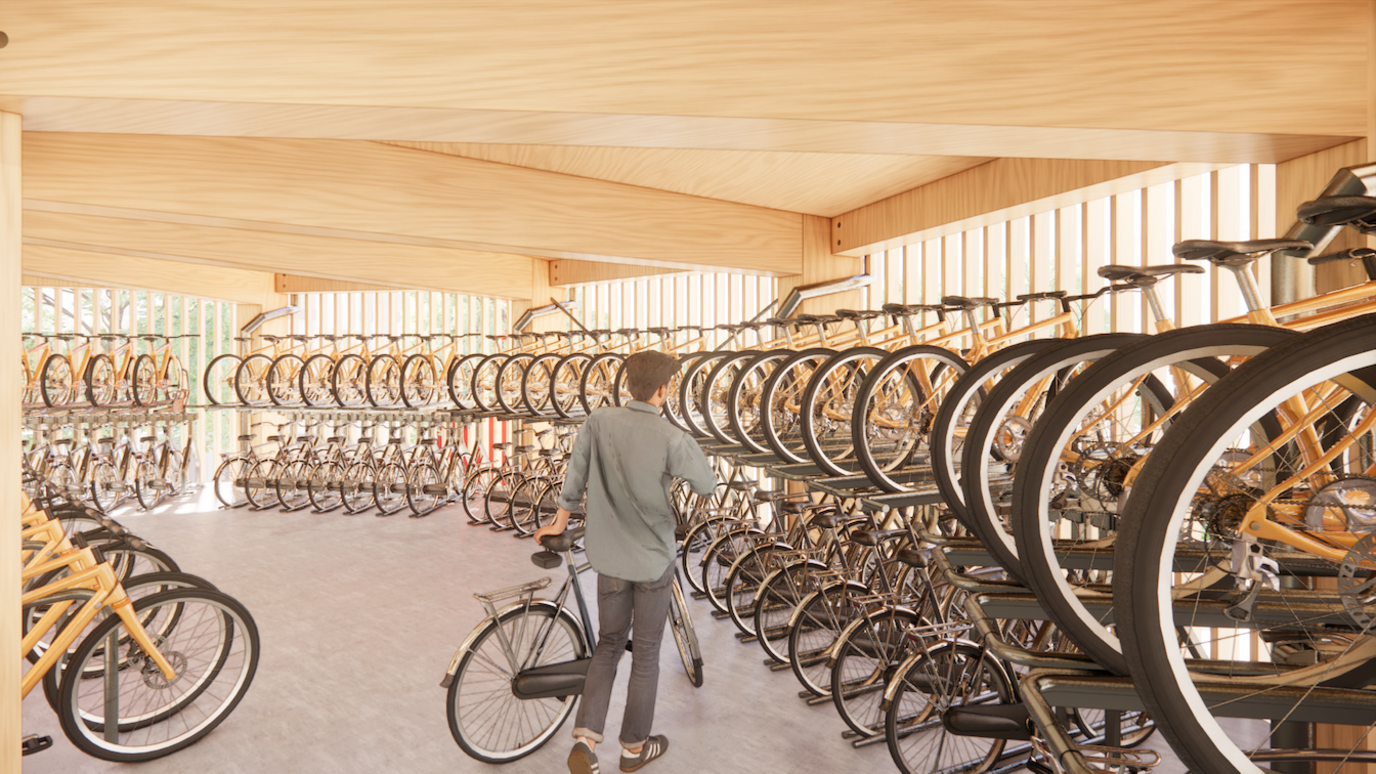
[108, 270]
[1163, 65]
[10, 657]
[370, 188]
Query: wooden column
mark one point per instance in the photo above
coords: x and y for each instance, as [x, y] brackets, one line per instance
[11, 203]
[820, 265]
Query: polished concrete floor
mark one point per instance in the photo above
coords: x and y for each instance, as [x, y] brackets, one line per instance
[359, 617]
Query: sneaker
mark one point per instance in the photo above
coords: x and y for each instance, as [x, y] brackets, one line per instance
[582, 760]
[654, 747]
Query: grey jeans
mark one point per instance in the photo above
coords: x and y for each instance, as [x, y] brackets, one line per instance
[622, 606]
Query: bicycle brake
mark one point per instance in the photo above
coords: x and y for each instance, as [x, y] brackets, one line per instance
[1253, 570]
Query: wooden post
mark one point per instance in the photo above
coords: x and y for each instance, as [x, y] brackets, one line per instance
[11, 204]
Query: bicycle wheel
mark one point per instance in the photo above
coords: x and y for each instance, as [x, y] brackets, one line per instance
[895, 409]
[692, 382]
[250, 380]
[100, 381]
[487, 720]
[719, 558]
[475, 494]
[218, 380]
[148, 484]
[314, 380]
[510, 378]
[1201, 652]
[1079, 459]
[293, 485]
[173, 384]
[421, 494]
[564, 384]
[485, 385]
[108, 492]
[419, 382]
[996, 437]
[229, 481]
[461, 380]
[685, 636]
[390, 489]
[260, 484]
[777, 599]
[781, 403]
[817, 622]
[947, 675]
[284, 380]
[716, 394]
[55, 381]
[536, 383]
[323, 487]
[865, 658]
[382, 381]
[694, 543]
[211, 641]
[826, 410]
[598, 381]
[347, 381]
[952, 424]
[356, 489]
[743, 583]
[743, 407]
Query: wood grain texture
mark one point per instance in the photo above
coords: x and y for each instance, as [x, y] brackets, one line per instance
[820, 265]
[541, 291]
[532, 127]
[10, 438]
[991, 193]
[63, 264]
[812, 183]
[370, 188]
[370, 262]
[1172, 65]
[1299, 181]
[566, 273]
[294, 283]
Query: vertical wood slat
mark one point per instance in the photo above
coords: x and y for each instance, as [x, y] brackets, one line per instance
[996, 260]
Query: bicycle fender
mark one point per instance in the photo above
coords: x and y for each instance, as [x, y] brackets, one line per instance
[473, 635]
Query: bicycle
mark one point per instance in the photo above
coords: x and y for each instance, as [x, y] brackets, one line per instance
[538, 650]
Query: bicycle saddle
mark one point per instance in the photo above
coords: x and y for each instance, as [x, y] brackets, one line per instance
[961, 302]
[1234, 253]
[563, 541]
[1039, 296]
[658, 331]
[1359, 211]
[995, 721]
[1116, 273]
[873, 537]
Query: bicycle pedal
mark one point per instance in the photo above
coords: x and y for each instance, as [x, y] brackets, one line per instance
[34, 743]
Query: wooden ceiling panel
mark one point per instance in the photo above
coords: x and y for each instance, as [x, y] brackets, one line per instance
[1169, 65]
[812, 183]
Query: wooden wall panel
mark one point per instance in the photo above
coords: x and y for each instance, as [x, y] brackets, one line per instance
[292, 283]
[62, 266]
[370, 188]
[1191, 65]
[1000, 190]
[10, 657]
[819, 265]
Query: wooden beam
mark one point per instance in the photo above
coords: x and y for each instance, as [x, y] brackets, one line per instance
[62, 265]
[364, 189]
[565, 273]
[292, 283]
[820, 265]
[10, 438]
[1058, 63]
[390, 264]
[992, 193]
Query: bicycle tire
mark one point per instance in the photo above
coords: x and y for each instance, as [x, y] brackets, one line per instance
[743, 399]
[100, 381]
[716, 394]
[718, 559]
[985, 518]
[218, 380]
[536, 383]
[893, 439]
[461, 380]
[382, 381]
[564, 382]
[314, 381]
[865, 658]
[419, 382]
[232, 661]
[475, 491]
[347, 381]
[356, 488]
[292, 485]
[148, 485]
[777, 599]
[483, 676]
[941, 677]
[510, 379]
[598, 381]
[817, 622]
[325, 488]
[1168, 497]
[260, 484]
[781, 425]
[743, 583]
[250, 380]
[55, 383]
[389, 479]
[484, 386]
[107, 491]
[171, 383]
[685, 636]
[691, 382]
[145, 381]
[829, 439]
[228, 481]
[421, 501]
[284, 380]
[1050, 450]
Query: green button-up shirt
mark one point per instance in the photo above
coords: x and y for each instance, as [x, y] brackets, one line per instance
[626, 459]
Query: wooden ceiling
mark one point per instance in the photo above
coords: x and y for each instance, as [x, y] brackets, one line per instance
[600, 132]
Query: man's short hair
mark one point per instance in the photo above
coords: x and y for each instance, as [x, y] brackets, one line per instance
[647, 372]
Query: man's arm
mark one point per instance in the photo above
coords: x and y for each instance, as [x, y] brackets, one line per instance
[576, 477]
[686, 461]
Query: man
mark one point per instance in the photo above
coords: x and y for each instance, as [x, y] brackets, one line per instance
[625, 459]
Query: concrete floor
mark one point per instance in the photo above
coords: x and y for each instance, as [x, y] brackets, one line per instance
[359, 617]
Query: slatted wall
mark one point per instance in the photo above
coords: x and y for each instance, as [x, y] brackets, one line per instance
[694, 298]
